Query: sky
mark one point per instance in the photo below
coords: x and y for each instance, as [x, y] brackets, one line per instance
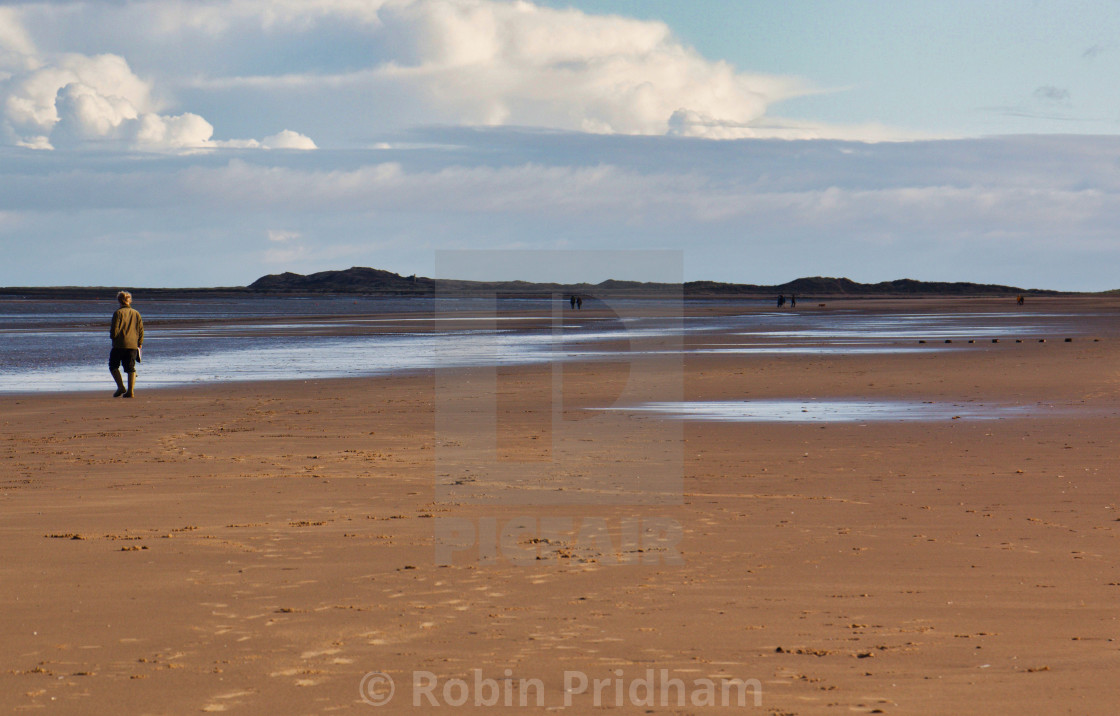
[165, 143]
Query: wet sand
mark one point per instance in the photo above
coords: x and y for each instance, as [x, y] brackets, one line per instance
[259, 548]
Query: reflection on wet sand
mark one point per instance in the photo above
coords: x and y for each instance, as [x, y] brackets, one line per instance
[63, 348]
[829, 411]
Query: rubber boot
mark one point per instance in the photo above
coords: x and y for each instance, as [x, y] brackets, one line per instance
[120, 383]
[131, 384]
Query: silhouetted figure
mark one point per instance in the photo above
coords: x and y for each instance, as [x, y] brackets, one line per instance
[572, 301]
[1019, 300]
[579, 303]
[793, 300]
[781, 300]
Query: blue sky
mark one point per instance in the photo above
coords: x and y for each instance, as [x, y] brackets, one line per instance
[955, 68]
[199, 144]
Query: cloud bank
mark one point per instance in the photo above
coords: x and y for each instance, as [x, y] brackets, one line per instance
[1035, 211]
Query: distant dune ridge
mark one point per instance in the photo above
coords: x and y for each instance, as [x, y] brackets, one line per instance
[355, 279]
[371, 281]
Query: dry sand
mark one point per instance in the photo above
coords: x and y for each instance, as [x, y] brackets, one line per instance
[258, 548]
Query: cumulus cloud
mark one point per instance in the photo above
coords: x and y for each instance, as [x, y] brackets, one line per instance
[181, 131]
[287, 139]
[462, 62]
[75, 99]
[94, 94]
[97, 99]
[482, 62]
[518, 63]
[79, 100]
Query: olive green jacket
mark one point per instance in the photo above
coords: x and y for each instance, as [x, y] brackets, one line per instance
[127, 328]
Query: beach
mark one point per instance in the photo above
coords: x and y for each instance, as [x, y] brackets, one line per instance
[263, 547]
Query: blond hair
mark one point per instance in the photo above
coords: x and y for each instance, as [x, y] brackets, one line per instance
[124, 298]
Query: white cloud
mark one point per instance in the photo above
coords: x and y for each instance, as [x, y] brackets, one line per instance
[103, 101]
[215, 18]
[179, 132]
[99, 99]
[281, 236]
[459, 62]
[29, 109]
[688, 123]
[95, 96]
[85, 114]
[1039, 211]
[287, 139]
[481, 62]
[16, 47]
[898, 192]
[73, 99]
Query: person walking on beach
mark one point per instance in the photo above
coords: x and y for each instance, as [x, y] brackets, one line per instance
[579, 303]
[572, 301]
[127, 332]
[781, 300]
[793, 300]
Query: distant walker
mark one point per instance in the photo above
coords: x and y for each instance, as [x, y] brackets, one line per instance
[127, 332]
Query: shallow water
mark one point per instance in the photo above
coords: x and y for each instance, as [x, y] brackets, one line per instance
[192, 357]
[64, 345]
[827, 411]
[900, 326]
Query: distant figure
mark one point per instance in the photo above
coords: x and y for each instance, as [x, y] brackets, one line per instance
[1019, 300]
[127, 332]
[579, 303]
[793, 300]
[781, 300]
[572, 301]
